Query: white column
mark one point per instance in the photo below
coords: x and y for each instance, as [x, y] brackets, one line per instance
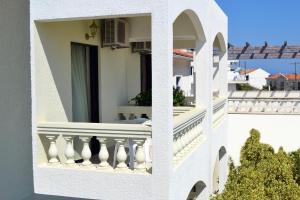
[162, 101]
[86, 151]
[52, 151]
[103, 154]
[69, 151]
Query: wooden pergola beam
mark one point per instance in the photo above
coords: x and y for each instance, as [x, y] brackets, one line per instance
[266, 51]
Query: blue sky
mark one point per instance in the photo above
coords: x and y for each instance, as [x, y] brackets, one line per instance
[256, 21]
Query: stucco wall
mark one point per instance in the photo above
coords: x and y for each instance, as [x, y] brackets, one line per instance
[15, 111]
[118, 71]
[160, 184]
[257, 78]
[276, 130]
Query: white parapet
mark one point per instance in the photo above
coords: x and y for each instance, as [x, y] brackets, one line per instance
[119, 136]
[188, 128]
[264, 102]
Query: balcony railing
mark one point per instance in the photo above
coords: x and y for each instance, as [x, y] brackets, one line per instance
[123, 147]
[219, 111]
[265, 102]
[188, 129]
[117, 136]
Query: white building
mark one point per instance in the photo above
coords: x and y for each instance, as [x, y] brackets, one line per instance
[255, 77]
[183, 72]
[84, 70]
[285, 82]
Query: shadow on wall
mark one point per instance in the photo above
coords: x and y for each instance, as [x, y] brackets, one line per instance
[46, 197]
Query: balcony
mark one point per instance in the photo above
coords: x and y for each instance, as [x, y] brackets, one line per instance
[123, 147]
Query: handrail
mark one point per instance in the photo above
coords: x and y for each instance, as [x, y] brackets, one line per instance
[218, 104]
[95, 129]
[187, 132]
[184, 120]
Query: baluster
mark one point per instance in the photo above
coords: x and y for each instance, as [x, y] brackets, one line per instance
[103, 154]
[175, 146]
[181, 143]
[53, 151]
[190, 137]
[86, 153]
[195, 129]
[140, 156]
[69, 151]
[121, 155]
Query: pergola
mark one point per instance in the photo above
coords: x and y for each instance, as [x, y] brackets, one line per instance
[266, 51]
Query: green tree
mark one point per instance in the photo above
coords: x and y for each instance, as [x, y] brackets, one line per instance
[263, 174]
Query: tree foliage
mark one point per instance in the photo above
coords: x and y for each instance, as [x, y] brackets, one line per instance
[263, 174]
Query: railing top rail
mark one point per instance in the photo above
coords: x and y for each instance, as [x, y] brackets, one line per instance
[219, 103]
[95, 129]
[187, 118]
[266, 99]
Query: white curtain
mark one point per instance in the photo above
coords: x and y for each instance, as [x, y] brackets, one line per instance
[80, 103]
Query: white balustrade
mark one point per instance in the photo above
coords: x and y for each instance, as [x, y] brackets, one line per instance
[53, 151]
[103, 154]
[113, 138]
[69, 151]
[121, 155]
[86, 153]
[140, 156]
[264, 106]
[264, 102]
[218, 111]
[187, 131]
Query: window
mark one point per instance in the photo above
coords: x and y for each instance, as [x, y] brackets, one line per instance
[178, 84]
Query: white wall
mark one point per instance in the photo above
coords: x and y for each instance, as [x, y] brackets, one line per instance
[118, 72]
[276, 130]
[161, 184]
[182, 68]
[257, 78]
[15, 111]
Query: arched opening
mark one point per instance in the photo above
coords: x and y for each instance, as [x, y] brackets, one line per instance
[188, 38]
[218, 173]
[196, 190]
[219, 50]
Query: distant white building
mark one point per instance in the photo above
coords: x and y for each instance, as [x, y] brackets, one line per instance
[255, 77]
[234, 77]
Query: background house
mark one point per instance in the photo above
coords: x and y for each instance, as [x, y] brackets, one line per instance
[256, 78]
[183, 73]
[284, 81]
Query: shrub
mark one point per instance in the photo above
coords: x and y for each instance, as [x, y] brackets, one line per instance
[145, 98]
[263, 174]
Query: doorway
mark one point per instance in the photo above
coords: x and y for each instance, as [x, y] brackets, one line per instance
[85, 87]
[146, 72]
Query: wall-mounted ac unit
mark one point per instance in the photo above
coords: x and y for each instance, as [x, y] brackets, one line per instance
[115, 33]
[141, 47]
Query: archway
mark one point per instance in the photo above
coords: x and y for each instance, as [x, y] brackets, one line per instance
[219, 50]
[218, 173]
[188, 38]
[196, 190]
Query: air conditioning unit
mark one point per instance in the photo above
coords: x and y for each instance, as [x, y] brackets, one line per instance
[115, 33]
[141, 47]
